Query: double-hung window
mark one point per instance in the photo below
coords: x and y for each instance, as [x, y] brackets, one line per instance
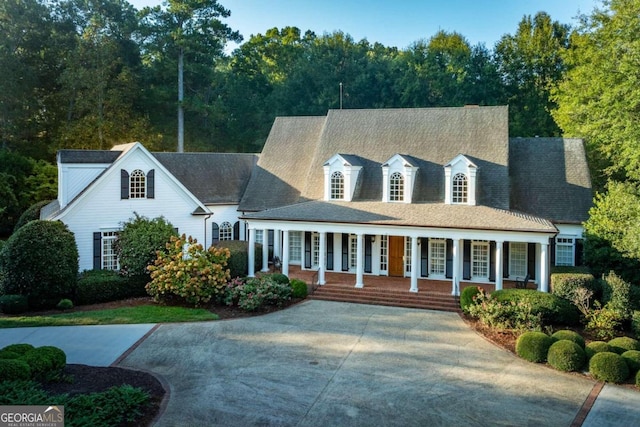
[517, 259]
[565, 251]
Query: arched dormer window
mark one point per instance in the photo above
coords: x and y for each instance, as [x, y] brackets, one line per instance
[396, 187]
[337, 186]
[137, 185]
[460, 189]
[226, 231]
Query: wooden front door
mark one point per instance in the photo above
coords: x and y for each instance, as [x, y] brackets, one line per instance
[396, 256]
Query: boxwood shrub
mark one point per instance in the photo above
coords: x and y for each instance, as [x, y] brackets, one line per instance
[238, 260]
[596, 347]
[621, 344]
[14, 369]
[566, 355]
[533, 346]
[632, 357]
[564, 285]
[21, 349]
[566, 334]
[609, 367]
[45, 362]
[298, 288]
[279, 278]
[467, 295]
[553, 309]
[5, 354]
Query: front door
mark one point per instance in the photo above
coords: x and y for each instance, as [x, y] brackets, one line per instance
[396, 256]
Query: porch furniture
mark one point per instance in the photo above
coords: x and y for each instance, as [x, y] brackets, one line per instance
[522, 283]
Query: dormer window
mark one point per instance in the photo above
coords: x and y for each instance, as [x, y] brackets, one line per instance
[460, 181]
[396, 187]
[337, 186]
[340, 177]
[399, 176]
[459, 189]
[137, 185]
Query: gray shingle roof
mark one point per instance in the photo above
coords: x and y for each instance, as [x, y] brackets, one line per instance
[437, 215]
[550, 178]
[88, 156]
[214, 178]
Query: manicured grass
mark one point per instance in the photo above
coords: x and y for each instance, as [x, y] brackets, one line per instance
[139, 314]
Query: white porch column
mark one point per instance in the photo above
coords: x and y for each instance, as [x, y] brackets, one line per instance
[544, 267]
[499, 266]
[252, 253]
[359, 261]
[457, 256]
[276, 244]
[265, 250]
[415, 264]
[285, 253]
[322, 258]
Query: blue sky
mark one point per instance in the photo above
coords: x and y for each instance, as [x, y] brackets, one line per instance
[395, 23]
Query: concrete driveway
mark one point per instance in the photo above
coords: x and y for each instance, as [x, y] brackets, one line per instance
[336, 364]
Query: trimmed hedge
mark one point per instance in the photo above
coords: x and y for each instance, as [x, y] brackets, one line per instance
[564, 285]
[609, 367]
[5, 354]
[621, 344]
[14, 304]
[45, 362]
[632, 357]
[21, 349]
[566, 355]
[299, 288]
[566, 334]
[279, 278]
[596, 347]
[553, 309]
[533, 346]
[467, 295]
[96, 286]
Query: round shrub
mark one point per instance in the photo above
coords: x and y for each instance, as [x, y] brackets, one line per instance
[299, 288]
[566, 355]
[21, 349]
[239, 256]
[65, 304]
[533, 346]
[467, 295]
[14, 304]
[596, 347]
[57, 357]
[31, 214]
[609, 367]
[621, 344]
[45, 361]
[5, 354]
[632, 357]
[279, 278]
[552, 309]
[564, 285]
[14, 369]
[566, 334]
[40, 260]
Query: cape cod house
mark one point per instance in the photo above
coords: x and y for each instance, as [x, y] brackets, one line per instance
[439, 193]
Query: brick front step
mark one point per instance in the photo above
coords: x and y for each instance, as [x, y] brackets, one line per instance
[424, 300]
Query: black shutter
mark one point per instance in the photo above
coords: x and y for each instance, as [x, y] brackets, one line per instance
[579, 252]
[345, 252]
[449, 265]
[215, 233]
[124, 184]
[492, 261]
[307, 249]
[424, 257]
[552, 252]
[151, 186]
[466, 260]
[531, 260]
[97, 251]
[329, 251]
[367, 253]
[505, 259]
[236, 230]
[271, 239]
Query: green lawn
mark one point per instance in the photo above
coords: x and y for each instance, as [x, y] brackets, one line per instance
[139, 314]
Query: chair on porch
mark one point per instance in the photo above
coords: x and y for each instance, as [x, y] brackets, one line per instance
[277, 264]
[522, 283]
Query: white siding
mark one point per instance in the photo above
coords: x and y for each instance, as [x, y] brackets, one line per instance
[222, 213]
[73, 178]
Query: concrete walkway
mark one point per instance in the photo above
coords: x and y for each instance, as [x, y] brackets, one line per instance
[336, 364]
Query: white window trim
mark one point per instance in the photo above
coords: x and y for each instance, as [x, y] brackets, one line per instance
[439, 242]
[487, 261]
[512, 274]
[460, 164]
[108, 238]
[295, 247]
[572, 244]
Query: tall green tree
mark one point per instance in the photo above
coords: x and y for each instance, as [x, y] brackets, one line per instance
[187, 36]
[531, 62]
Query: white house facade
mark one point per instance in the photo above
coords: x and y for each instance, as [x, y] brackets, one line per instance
[431, 193]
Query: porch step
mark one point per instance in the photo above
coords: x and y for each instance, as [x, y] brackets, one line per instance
[397, 298]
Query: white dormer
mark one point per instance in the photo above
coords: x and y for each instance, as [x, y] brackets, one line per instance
[460, 181]
[398, 178]
[340, 177]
